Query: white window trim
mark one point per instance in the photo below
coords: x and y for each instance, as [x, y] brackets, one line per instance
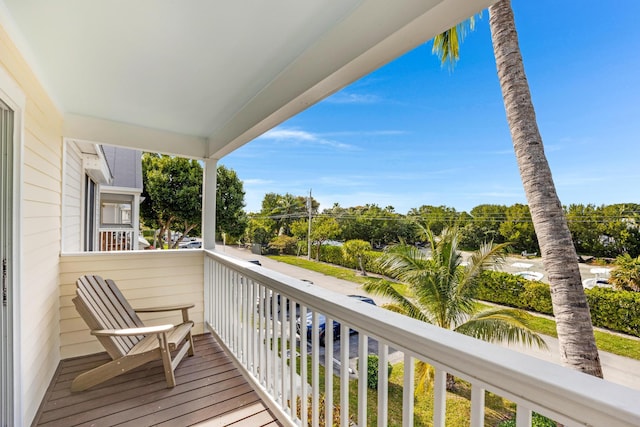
[12, 95]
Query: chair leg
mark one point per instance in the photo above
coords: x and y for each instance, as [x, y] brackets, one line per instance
[166, 360]
[191, 348]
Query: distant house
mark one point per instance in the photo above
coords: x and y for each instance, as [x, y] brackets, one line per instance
[102, 187]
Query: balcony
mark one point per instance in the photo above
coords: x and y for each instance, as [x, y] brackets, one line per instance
[117, 239]
[249, 312]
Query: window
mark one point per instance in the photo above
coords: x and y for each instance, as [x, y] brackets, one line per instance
[115, 209]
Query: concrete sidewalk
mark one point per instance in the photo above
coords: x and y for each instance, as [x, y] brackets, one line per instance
[617, 369]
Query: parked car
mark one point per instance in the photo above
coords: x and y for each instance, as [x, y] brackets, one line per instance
[322, 322]
[190, 245]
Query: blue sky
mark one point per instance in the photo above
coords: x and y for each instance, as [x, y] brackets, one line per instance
[414, 133]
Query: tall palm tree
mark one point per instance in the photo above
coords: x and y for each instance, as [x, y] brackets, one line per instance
[441, 291]
[573, 319]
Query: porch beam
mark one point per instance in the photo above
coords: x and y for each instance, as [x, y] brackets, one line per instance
[91, 129]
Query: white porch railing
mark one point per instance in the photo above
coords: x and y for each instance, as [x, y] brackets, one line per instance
[248, 308]
[117, 239]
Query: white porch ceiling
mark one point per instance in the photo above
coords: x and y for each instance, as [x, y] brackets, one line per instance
[203, 77]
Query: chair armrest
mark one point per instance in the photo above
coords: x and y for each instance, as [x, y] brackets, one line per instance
[147, 330]
[183, 307]
[165, 308]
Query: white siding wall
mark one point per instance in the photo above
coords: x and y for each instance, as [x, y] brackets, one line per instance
[72, 205]
[39, 340]
[146, 278]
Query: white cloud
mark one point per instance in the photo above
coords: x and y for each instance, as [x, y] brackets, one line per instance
[352, 98]
[298, 136]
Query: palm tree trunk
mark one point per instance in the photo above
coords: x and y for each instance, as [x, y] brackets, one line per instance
[575, 331]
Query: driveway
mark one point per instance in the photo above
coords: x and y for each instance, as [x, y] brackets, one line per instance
[617, 369]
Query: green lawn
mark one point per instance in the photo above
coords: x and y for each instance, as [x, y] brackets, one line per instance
[609, 342]
[458, 412]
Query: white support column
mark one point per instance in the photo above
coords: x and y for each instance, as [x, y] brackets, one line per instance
[209, 204]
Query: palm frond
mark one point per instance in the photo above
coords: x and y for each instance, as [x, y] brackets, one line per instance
[401, 304]
[502, 325]
[424, 374]
[446, 45]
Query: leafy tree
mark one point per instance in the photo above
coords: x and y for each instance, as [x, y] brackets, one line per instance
[434, 218]
[230, 216]
[259, 230]
[356, 250]
[300, 230]
[573, 320]
[518, 229]
[442, 292]
[284, 244]
[620, 229]
[483, 225]
[323, 228]
[173, 194]
[283, 210]
[373, 224]
[288, 208]
[583, 224]
[626, 275]
[605, 230]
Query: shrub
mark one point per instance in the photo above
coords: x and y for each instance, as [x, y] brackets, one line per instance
[284, 244]
[334, 255]
[615, 310]
[537, 420]
[372, 370]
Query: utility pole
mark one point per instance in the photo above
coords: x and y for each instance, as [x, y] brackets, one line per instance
[309, 232]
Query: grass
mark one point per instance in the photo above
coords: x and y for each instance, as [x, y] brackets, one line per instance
[335, 271]
[609, 342]
[458, 406]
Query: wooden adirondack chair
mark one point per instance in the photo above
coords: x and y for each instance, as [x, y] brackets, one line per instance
[121, 332]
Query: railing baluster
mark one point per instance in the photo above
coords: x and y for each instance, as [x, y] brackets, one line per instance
[245, 319]
[262, 326]
[344, 375]
[283, 350]
[254, 323]
[523, 416]
[328, 365]
[274, 348]
[234, 313]
[293, 357]
[439, 397]
[408, 391]
[269, 340]
[383, 384]
[363, 363]
[304, 405]
[315, 367]
[477, 406]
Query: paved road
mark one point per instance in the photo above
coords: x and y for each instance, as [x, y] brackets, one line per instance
[618, 369]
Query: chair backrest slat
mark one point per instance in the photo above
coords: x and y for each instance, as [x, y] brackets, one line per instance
[104, 307]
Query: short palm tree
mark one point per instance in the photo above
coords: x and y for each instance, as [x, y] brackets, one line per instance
[441, 290]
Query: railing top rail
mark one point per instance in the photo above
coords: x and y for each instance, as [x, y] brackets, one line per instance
[541, 384]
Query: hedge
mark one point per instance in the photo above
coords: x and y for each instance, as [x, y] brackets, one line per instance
[333, 255]
[610, 309]
[615, 310]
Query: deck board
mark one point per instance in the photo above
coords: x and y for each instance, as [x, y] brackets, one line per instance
[209, 390]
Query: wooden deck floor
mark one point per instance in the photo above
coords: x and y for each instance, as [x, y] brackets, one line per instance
[209, 390]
